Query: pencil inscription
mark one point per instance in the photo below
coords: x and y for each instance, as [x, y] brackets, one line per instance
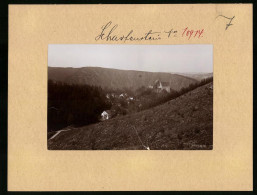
[229, 19]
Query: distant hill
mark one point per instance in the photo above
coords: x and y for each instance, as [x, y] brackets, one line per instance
[182, 123]
[197, 76]
[116, 79]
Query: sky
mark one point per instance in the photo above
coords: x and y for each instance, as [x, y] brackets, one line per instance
[151, 58]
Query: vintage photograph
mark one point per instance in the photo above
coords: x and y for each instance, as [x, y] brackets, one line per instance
[130, 97]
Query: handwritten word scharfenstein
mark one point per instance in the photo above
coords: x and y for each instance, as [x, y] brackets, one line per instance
[108, 33]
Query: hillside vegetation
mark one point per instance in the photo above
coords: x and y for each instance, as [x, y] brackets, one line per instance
[185, 122]
[73, 104]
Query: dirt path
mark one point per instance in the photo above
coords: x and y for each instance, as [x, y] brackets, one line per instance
[58, 132]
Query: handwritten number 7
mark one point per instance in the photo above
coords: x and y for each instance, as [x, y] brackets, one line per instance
[230, 20]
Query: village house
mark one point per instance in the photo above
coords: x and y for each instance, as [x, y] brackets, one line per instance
[106, 115]
[123, 95]
[130, 100]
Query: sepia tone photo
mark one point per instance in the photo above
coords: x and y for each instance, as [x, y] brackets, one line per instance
[130, 97]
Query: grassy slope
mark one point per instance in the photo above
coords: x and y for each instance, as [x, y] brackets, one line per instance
[183, 123]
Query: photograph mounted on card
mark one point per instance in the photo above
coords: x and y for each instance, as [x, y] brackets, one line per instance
[130, 97]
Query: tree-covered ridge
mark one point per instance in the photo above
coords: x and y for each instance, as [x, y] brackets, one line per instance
[74, 104]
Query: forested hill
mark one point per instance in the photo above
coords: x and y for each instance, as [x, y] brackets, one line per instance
[116, 79]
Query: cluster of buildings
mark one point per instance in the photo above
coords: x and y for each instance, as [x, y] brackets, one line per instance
[158, 87]
[122, 96]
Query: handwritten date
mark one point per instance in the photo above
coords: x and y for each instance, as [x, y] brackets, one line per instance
[192, 33]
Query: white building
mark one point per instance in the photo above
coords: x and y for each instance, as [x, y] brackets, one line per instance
[105, 115]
